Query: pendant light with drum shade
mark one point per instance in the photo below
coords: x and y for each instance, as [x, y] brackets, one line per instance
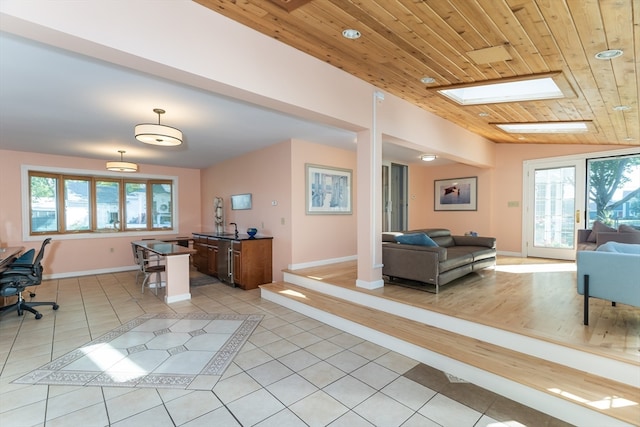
[158, 134]
[122, 166]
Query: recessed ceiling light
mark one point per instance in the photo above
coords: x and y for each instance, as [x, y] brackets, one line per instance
[483, 114]
[621, 108]
[547, 127]
[351, 34]
[428, 157]
[609, 54]
[628, 138]
[529, 88]
[427, 80]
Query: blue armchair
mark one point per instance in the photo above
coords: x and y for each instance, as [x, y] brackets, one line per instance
[612, 273]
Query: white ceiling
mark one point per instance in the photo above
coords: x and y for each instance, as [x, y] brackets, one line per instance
[59, 102]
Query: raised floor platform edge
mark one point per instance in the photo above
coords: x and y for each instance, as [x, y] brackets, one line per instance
[594, 364]
[545, 402]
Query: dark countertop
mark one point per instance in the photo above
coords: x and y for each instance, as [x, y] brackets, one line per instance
[163, 248]
[231, 236]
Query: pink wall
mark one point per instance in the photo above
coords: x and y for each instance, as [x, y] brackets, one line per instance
[277, 174]
[266, 174]
[320, 237]
[496, 188]
[411, 126]
[68, 257]
[421, 199]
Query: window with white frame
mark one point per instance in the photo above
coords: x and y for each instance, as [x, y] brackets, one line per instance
[62, 203]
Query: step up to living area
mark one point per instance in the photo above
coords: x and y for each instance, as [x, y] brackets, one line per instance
[554, 387]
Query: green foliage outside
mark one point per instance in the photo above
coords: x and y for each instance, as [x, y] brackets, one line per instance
[606, 176]
[43, 187]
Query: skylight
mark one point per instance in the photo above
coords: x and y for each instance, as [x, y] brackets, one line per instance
[546, 127]
[530, 88]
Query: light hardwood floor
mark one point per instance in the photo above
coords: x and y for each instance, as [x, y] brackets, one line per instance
[528, 296]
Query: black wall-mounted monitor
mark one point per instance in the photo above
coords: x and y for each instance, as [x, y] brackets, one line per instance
[241, 201]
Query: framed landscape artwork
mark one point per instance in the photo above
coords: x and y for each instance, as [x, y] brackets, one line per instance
[459, 194]
[328, 190]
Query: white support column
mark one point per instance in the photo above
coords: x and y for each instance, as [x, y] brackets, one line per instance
[369, 185]
[177, 270]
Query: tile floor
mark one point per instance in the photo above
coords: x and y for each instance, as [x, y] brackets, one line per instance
[167, 350]
[293, 371]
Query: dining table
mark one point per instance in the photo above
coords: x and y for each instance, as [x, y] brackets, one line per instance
[176, 267]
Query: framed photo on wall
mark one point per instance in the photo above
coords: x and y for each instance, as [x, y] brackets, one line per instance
[458, 194]
[328, 190]
[241, 201]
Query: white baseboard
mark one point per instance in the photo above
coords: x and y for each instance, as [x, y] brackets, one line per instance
[89, 272]
[376, 284]
[513, 254]
[177, 298]
[322, 262]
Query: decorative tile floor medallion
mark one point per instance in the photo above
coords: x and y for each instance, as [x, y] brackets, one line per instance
[153, 350]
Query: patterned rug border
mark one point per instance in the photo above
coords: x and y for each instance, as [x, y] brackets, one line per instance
[50, 373]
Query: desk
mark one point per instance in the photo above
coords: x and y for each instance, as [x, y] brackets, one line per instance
[176, 267]
[7, 255]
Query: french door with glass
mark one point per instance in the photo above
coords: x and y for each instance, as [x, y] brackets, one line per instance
[554, 208]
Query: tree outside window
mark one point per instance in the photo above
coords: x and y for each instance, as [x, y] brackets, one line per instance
[44, 207]
[613, 190]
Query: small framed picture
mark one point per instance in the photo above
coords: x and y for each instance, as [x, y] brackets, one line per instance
[328, 190]
[458, 194]
[241, 202]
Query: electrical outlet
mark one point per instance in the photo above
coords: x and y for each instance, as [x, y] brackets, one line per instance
[282, 220]
[513, 204]
[111, 250]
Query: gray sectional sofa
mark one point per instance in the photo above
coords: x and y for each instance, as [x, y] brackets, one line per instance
[589, 240]
[453, 257]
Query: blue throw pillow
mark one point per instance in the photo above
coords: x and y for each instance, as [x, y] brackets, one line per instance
[420, 239]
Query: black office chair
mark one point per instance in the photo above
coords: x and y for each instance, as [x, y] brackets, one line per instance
[21, 275]
[23, 262]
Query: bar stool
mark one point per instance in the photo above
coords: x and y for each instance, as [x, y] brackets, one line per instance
[148, 268]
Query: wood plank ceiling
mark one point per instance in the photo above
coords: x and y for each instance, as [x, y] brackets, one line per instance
[405, 40]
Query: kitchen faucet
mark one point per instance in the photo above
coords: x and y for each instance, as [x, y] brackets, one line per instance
[235, 226]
